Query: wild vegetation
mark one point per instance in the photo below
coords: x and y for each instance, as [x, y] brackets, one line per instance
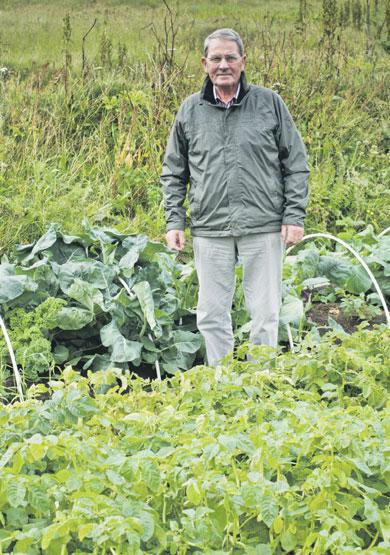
[89, 91]
[284, 453]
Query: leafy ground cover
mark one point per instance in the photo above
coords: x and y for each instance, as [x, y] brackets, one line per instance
[104, 298]
[322, 273]
[98, 300]
[325, 287]
[285, 454]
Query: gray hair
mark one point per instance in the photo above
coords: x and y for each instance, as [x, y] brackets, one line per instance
[224, 34]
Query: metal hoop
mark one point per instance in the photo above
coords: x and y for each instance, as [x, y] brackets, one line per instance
[362, 262]
[18, 378]
[384, 232]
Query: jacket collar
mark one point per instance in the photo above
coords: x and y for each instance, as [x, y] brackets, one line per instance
[207, 92]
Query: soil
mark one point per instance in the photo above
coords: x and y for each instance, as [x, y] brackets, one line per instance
[320, 312]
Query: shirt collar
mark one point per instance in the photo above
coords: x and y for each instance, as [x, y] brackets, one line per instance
[207, 90]
[233, 99]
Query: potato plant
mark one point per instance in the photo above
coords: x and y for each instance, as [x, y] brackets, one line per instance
[283, 454]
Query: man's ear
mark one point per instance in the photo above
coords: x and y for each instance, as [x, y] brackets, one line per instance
[204, 64]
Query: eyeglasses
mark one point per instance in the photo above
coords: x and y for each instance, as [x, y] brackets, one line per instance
[230, 59]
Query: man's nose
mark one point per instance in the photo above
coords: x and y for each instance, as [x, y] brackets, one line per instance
[223, 63]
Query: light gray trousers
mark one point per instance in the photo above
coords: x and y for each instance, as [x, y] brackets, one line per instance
[215, 258]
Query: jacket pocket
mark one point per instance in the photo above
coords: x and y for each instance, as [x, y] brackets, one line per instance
[194, 199]
[257, 124]
[196, 143]
[277, 197]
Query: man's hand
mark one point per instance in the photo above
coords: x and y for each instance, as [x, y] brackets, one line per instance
[291, 234]
[175, 239]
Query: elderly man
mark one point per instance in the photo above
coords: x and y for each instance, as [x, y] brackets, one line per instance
[239, 150]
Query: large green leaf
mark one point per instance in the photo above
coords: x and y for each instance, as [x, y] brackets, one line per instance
[292, 310]
[173, 360]
[309, 260]
[139, 241]
[102, 234]
[100, 362]
[91, 271]
[149, 345]
[16, 492]
[73, 318]
[122, 349]
[145, 298]
[381, 251]
[125, 310]
[384, 283]
[134, 245]
[45, 242]
[61, 252]
[86, 294]
[11, 285]
[43, 275]
[359, 281]
[311, 283]
[129, 259]
[61, 354]
[186, 341]
[337, 269]
[151, 251]
[269, 508]
[180, 354]
[342, 272]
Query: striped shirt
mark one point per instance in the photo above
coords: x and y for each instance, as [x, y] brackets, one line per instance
[230, 102]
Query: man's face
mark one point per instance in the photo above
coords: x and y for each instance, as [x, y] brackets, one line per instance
[224, 63]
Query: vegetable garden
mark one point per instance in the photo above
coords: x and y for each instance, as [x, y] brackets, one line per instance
[286, 453]
[118, 439]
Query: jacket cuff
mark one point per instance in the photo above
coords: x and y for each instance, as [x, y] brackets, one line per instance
[291, 221]
[175, 225]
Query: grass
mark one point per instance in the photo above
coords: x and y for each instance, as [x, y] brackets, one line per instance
[89, 143]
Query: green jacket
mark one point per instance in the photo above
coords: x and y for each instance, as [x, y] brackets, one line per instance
[246, 165]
